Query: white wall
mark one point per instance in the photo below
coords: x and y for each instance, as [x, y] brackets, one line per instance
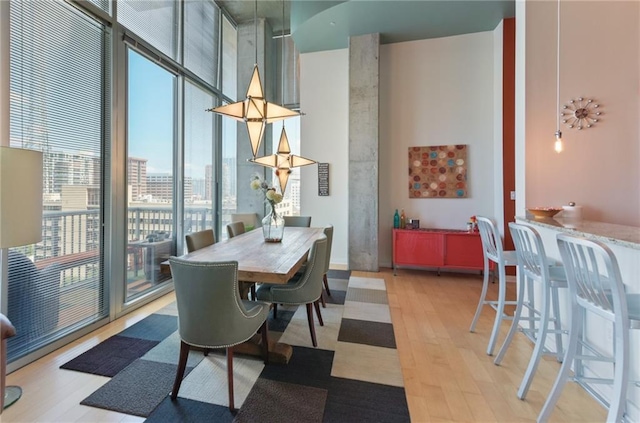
[498, 149]
[599, 168]
[432, 92]
[435, 92]
[324, 98]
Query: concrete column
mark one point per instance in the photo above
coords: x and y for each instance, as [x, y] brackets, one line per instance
[247, 199]
[364, 82]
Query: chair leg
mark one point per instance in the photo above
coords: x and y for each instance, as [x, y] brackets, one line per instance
[324, 304]
[182, 365]
[557, 324]
[253, 292]
[620, 372]
[538, 350]
[206, 352]
[516, 321]
[502, 288]
[311, 327]
[326, 284]
[275, 311]
[563, 374]
[230, 377]
[317, 306]
[264, 331]
[483, 295]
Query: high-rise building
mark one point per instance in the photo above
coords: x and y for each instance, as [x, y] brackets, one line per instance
[137, 177]
[60, 169]
[160, 187]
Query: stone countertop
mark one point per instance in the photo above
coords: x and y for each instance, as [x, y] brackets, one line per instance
[628, 236]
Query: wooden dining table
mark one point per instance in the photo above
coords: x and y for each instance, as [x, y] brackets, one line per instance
[261, 262]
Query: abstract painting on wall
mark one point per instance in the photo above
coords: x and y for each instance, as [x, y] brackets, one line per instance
[438, 171]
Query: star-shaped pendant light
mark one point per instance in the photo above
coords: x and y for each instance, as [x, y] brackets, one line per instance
[255, 111]
[283, 161]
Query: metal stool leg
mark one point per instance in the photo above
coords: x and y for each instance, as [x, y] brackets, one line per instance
[541, 337]
[483, 295]
[563, 375]
[557, 324]
[502, 288]
[516, 319]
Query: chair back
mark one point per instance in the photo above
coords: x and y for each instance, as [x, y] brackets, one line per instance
[250, 220]
[235, 228]
[210, 311]
[532, 259]
[328, 232]
[593, 276]
[491, 241]
[198, 240]
[309, 287]
[299, 221]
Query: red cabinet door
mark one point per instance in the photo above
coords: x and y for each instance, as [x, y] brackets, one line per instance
[464, 250]
[417, 248]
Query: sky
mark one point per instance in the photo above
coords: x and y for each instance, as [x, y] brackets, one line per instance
[151, 123]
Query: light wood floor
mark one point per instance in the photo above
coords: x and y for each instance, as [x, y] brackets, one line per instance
[447, 375]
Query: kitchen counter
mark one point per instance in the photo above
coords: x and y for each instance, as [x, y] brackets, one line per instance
[627, 236]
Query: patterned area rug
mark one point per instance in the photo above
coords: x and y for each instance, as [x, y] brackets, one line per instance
[354, 375]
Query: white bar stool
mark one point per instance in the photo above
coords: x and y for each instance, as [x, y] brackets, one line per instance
[595, 285]
[493, 250]
[534, 267]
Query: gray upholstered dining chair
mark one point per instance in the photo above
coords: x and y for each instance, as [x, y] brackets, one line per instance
[201, 239]
[235, 229]
[250, 220]
[328, 231]
[211, 313]
[299, 221]
[305, 289]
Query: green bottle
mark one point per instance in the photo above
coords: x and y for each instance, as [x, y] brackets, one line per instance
[396, 220]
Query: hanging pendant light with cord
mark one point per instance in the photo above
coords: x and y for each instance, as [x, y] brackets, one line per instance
[254, 110]
[558, 144]
[283, 161]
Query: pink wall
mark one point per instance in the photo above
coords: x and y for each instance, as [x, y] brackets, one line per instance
[600, 166]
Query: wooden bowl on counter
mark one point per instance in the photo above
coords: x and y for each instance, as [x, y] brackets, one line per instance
[544, 211]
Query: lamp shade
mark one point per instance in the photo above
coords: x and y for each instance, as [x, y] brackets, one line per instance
[20, 197]
[283, 161]
[255, 111]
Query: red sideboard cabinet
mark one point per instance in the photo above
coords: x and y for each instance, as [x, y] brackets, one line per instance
[437, 248]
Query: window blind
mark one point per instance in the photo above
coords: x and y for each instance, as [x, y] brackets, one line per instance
[229, 59]
[102, 4]
[201, 39]
[58, 106]
[155, 21]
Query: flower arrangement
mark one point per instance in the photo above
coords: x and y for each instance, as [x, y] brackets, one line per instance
[271, 197]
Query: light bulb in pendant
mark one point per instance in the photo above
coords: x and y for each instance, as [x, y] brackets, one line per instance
[558, 144]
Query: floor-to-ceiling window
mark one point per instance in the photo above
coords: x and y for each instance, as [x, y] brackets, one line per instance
[229, 151]
[199, 182]
[150, 180]
[114, 94]
[59, 105]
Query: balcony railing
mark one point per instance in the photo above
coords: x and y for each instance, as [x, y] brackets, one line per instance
[73, 238]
